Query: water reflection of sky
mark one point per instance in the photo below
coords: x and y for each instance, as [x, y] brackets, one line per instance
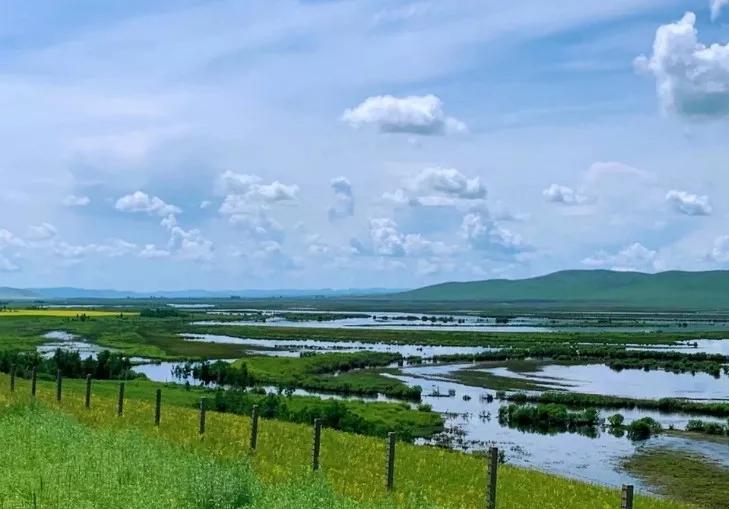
[339, 346]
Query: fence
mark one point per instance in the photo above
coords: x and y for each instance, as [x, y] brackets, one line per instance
[492, 458]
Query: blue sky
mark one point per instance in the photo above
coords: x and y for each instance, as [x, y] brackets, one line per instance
[165, 145]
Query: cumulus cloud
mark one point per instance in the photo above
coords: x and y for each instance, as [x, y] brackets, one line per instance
[140, 201]
[152, 251]
[484, 234]
[343, 205]
[438, 187]
[635, 257]
[251, 188]
[692, 79]
[272, 258]
[75, 252]
[688, 203]
[387, 240]
[8, 239]
[190, 244]
[565, 195]
[43, 231]
[247, 203]
[7, 266]
[413, 114]
[716, 8]
[720, 251]
[75, 201]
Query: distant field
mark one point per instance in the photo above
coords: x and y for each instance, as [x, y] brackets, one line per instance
[61, 313]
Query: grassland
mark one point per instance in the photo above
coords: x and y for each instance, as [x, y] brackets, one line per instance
[316, 372]
[54, 461]
[160, 337]
[351, 464]
[62, 313]
[374, 415]
[683, 476]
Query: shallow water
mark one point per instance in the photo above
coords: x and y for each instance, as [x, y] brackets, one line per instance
[573, 455]
[298, 345]
[70, 343]
[631, 383]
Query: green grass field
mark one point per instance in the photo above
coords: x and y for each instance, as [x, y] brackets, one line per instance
[352, 465]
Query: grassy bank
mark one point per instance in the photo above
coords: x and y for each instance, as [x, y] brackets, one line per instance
[351, 464]
[54, 461]
[576, 399]
[683, 476]
[374, 416]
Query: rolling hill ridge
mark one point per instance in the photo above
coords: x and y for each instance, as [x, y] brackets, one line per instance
[671, 289]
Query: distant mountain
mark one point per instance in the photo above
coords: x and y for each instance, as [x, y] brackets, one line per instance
[672, 289]
[57, 293]
[16, 294]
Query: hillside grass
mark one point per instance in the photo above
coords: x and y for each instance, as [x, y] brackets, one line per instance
[353, 465]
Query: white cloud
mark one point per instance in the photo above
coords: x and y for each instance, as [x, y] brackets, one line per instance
[116, 248]
[76, 201]
[190, 244]
[152, 251]
[205, 204]
[692, 79]
[484, 234]
[720, 251]
[141, 202]
[247, 203]
[716, 8]
[565, 195]
[635, 257]
[7, 266]
[8, 239]
[413, 114]
[343, 205]
[272, 258]
[435, 187]
[43, 231]
[387, 240]
[249, 186]
[75, 252]
[688, 203]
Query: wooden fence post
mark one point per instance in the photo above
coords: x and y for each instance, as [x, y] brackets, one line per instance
[626, 500]
[493, 465]
[254, 427]
[316, 446]
[390, 465]
[158, 407]
[12, 379]
[33, 381]
[202, 416]
[120, 401]
[87, 401]
[58, 385]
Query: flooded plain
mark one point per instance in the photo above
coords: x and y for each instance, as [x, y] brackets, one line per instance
[471, 418]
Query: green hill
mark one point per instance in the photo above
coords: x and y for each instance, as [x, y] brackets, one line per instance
[672, 289]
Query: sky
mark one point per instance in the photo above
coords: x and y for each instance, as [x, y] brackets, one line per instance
[152, 145]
